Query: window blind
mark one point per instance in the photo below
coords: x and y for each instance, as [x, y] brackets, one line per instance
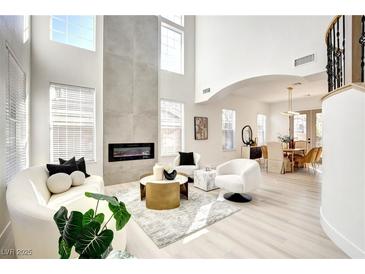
[172, 124]
[72, 120]
[228, 128]
[15, 120]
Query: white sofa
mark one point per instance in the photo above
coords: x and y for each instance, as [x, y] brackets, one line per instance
[188, 170]
[238, 176]
[32, 206]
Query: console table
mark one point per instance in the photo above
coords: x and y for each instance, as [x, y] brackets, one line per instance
[251, 152]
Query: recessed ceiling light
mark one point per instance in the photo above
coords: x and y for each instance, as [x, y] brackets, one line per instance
[308, 95]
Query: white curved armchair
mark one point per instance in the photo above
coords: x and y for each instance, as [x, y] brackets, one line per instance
[188, 170]
[32, 206]
[238, 176]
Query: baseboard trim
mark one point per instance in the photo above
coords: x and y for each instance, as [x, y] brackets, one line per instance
[340, 240]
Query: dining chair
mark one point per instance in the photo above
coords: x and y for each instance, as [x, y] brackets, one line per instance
[301, 144]
[309, 158]
[275, 158]
[318, 156]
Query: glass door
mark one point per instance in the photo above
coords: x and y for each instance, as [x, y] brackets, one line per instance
[300, 130]
[318, 127]
[307, 126]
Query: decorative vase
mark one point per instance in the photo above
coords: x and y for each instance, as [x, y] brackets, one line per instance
[170, 176]
[285, 145]
[291, 144]
[158, 172]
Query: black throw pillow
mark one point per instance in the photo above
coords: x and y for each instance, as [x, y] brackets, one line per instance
[80, 163]
[187, 159]
[68, 169]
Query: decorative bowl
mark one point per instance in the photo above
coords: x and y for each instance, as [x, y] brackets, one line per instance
[170, 176]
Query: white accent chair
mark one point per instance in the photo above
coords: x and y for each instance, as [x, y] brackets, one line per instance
[32, 206]
[275, 158]
[238, 176]
[188, 170]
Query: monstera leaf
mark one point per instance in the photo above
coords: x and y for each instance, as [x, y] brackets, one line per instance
[83, 230]
[121, 215]
[69, 227]
[91, 244]
[89, 217]
[98, 196]
[63, 249]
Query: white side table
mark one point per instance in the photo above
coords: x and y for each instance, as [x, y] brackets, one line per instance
[205, 179]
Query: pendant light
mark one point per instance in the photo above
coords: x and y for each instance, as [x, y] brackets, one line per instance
[290, 111]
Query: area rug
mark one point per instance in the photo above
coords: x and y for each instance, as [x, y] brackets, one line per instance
[165, 227]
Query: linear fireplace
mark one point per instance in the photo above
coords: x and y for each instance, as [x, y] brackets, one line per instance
[131, 151]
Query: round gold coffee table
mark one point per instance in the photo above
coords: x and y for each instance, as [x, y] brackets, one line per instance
[163, 194]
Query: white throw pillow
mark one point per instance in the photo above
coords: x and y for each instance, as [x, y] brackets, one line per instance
[78, 178]
[59, 182]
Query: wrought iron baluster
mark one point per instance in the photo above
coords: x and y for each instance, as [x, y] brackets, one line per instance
[329, 63]
[334, 58]
[362, 43]
[338, 54]
[343, 49]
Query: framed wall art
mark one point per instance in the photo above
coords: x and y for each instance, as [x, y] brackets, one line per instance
[201, 128]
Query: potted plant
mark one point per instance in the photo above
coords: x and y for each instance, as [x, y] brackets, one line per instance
[85, 231]
[286, 140]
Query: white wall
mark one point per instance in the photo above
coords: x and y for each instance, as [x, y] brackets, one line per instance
[11, 32]
[233, 48]
[279, 124]
[60, 63]
[343, 181]
[181, 88]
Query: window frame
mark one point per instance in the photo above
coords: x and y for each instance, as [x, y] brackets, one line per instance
[224, 149]
[182, 25]
[164, 22]
[94, 161]
[72, 45]
[182, 127]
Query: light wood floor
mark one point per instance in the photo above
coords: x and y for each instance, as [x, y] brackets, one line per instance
[282, 221]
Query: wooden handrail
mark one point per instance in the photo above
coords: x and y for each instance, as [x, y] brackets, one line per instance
[329, 28]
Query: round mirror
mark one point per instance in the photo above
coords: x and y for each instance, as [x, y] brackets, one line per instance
[247, 135]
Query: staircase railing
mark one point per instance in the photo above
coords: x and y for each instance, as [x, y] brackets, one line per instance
[336, 62]
[337, 54]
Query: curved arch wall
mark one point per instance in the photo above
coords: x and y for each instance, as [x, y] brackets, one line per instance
[343, 184]
[234, 48]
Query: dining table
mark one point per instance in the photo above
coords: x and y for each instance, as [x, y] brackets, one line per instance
[292, 151]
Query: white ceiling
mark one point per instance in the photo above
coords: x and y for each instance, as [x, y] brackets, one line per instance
[273, 88]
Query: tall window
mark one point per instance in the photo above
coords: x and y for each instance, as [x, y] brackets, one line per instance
[261, 129]
[15, 120]
[228, 128]
[172, 43]
[72, 122]
[172, 127]
[78, 31]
